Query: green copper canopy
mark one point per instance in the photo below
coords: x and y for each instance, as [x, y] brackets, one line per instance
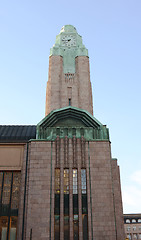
[69, 45]
[71, 121]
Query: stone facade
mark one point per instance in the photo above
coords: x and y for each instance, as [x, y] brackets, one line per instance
[70, 185]
[105, 220]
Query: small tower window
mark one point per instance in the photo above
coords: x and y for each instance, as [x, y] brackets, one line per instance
[69, 95]
[69, 101]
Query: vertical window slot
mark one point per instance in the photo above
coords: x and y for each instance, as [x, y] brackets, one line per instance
[66, 204]
[69, 101]
[84, 204]
[57, 205]
[75, 205]
[9, 198]
[70, 96]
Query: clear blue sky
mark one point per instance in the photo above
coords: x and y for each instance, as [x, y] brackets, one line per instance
[111, 30]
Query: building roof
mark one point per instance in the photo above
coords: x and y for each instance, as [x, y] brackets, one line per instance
[69, 112]
[71, 121]
[17, 133]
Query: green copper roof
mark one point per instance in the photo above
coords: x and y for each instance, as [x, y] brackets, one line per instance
[71, 121]
[69, 45]
[68, 28]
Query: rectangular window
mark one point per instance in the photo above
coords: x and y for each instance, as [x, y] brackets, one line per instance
[129, 236]
[57, 205]
[1, 178]
[75, 205]
[128, 229]
[15, 191]
[9, 198]
[75, 182]
[135, 236]
[6, 188]
[66, 181]
[75, 192]
[69, 95]
[57, 181]
[66, 227]
[3, 227]
[84, 204]
[69, 101]
[57, 227]
[139, 235]
[66, 204]
[83, 181]
[13, 229]
[75, 227]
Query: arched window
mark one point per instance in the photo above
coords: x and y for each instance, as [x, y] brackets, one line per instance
[127, 220]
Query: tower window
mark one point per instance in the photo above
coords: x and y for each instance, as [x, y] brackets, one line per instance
[69, 95]
[69, 101]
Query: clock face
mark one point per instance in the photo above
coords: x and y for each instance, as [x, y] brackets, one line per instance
[68, 41]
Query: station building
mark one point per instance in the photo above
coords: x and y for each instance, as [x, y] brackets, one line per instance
[58, 179]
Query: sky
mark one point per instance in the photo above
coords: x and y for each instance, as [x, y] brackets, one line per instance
[111, 30]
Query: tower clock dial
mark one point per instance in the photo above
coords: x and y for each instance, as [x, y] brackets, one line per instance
[68, 40]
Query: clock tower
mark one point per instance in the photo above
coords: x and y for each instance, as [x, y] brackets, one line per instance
[70, 184]
[69, 76]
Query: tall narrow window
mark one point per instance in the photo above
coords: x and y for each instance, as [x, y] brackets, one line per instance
[9, 198]
[69, 101]
[3, 227]
[66, 204]
[84, 204]
[1, 178]
[57, 205]
[75, 205]
[15, 192]
[6, 189]
[13, 223]
[69, 95]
